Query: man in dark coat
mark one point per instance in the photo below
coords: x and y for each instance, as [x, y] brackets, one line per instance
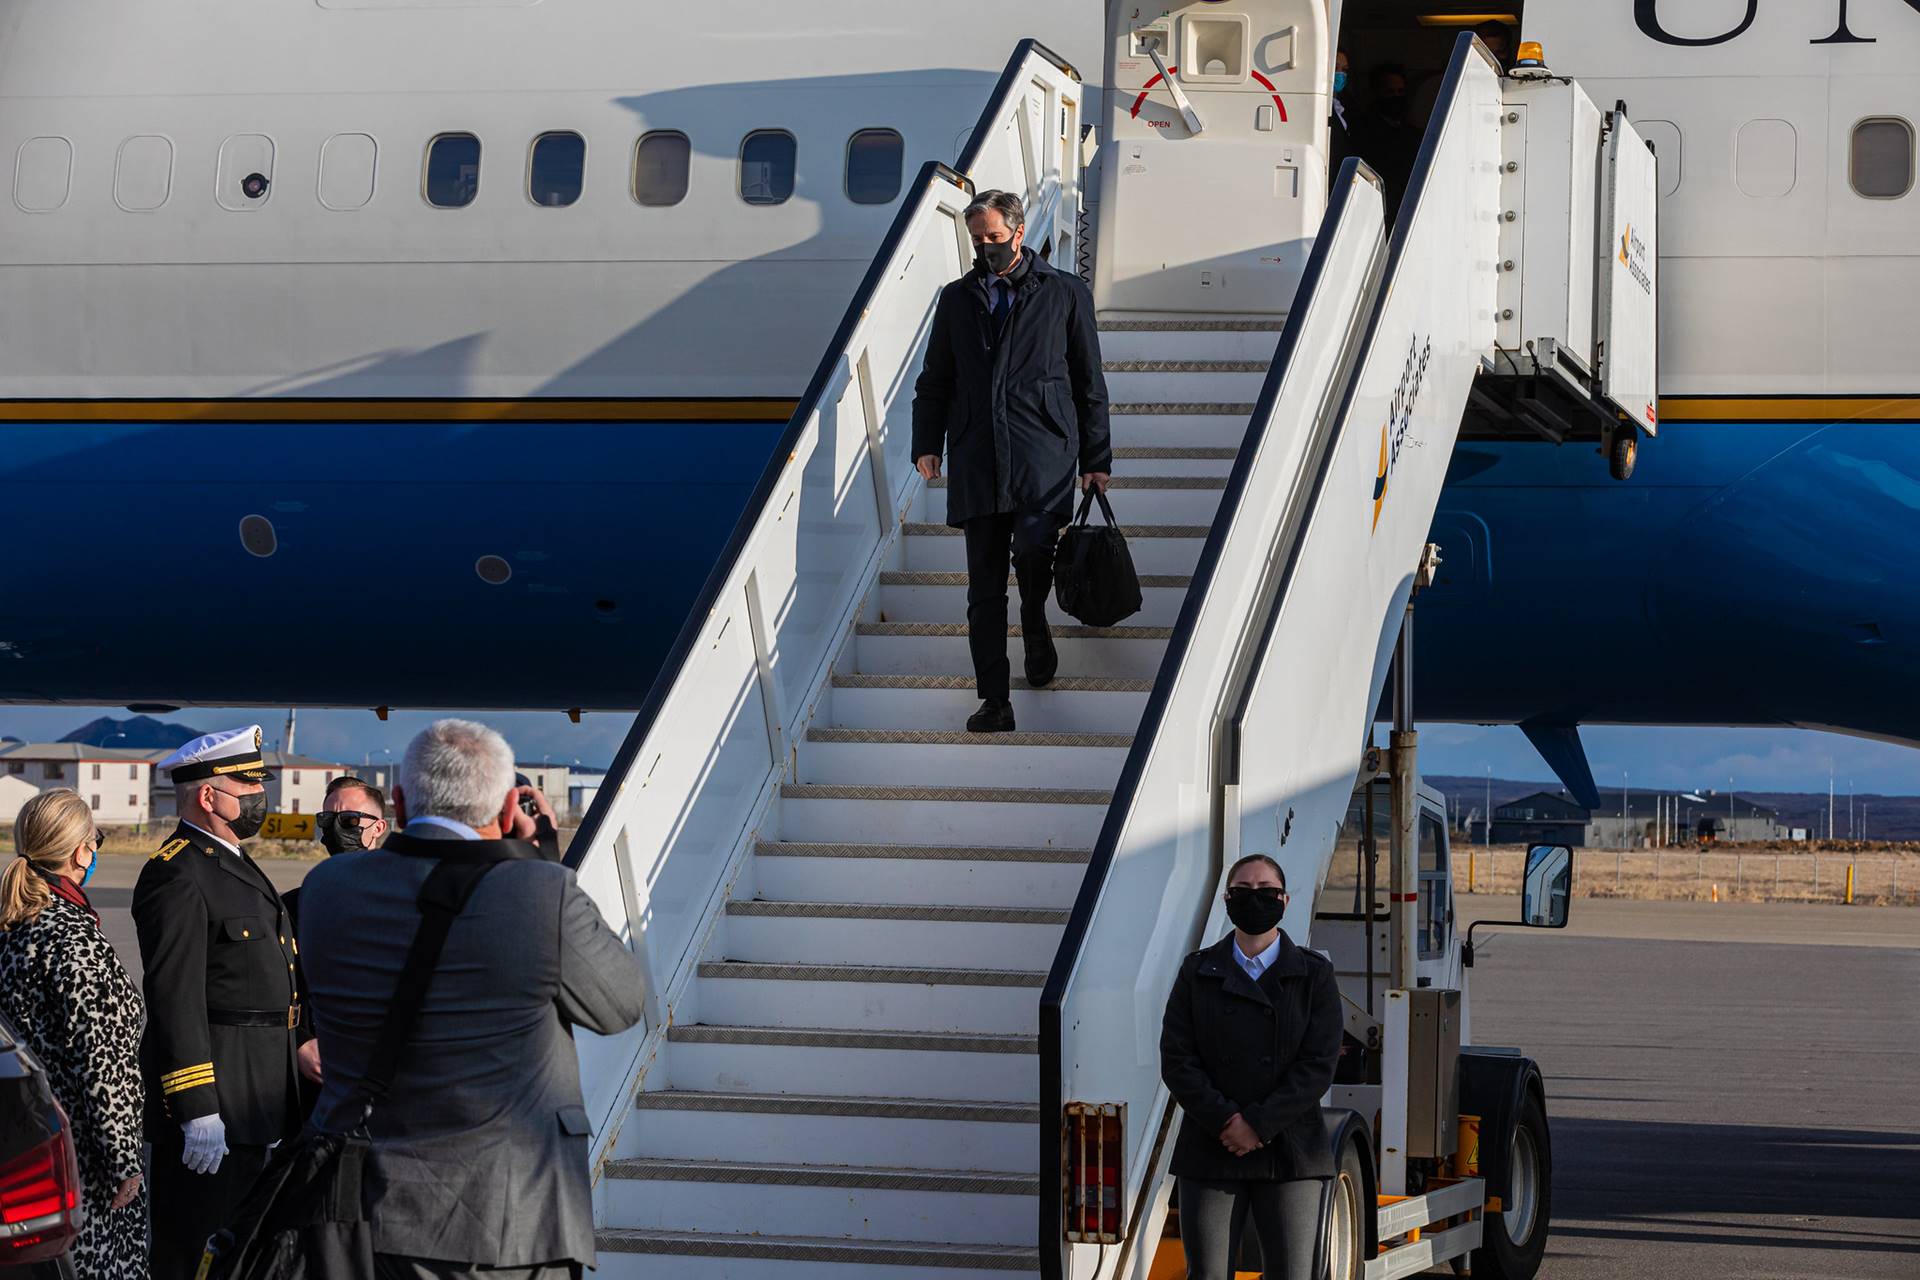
[1012, 393]
[223, 1002]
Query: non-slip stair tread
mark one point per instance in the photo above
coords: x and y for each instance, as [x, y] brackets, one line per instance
[960, 737]
[906, 975]
[1263, 325]
[704, 1244]
[1059, 633]
[1185, 366]
[1059, 684]
[958, 795]
[872, 1108]
[1139, 482]
[849, 1038]
[1189, 452]
[1183, 408]
[928, 852]
[872, 1177]
[958, 578]
[922, 529]
[894, 911]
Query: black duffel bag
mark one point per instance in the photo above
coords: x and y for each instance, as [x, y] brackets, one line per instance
[1093, 573]
[305, 1218]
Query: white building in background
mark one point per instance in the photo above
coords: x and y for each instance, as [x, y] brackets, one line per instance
[553, 780]
[115, 782]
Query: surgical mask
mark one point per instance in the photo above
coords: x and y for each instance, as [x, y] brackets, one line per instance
[252, 816]
[91, 868]
[995, 256]
[1255, 910]
[1339, 82]
[337, 837]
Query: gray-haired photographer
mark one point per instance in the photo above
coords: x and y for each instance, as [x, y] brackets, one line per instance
[448, 968]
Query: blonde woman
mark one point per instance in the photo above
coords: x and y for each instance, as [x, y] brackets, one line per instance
[66, 992]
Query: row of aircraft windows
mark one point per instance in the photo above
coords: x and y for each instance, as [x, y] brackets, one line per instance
[1767, 163]
[555, 176]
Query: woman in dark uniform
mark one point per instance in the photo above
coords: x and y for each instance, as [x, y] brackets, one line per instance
[1248, 1048]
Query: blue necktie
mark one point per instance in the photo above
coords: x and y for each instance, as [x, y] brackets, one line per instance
[1002, 299]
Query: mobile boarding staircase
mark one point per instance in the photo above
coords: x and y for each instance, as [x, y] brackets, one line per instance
[886, 957]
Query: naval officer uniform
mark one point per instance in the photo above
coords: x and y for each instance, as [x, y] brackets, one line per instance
[223, 1009]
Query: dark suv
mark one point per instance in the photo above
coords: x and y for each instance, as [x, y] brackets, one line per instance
[39, 1179]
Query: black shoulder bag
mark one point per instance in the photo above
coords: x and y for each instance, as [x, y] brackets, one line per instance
[1093, 572]
[304, 1219]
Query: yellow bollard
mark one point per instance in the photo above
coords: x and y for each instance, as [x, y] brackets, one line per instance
[1716, 894]
[1470, 880]
[1849, 884]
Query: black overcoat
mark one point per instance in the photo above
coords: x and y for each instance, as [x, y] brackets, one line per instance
[1266, 1050]
[1019, 409]
[216, 945]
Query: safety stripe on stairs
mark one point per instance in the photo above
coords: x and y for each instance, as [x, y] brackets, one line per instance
[696, 1244]
[763, 971]
[863, 1177]
[956, 738]
[895, 911]
[917, 529]
[801, 1104]
[1139, 482]
[1185, 366]
[919, 852]
[1059, 684]
[942, 578]
[839, 1038]
[937, 629]
[944, 795]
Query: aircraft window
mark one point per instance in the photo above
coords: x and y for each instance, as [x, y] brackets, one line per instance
[245, 173]
[1764, 158]
[558, 168]
[453, 170]
[873, 166]
[660, 168]
[1665, 137]
[766, 166]
[1880, 164]
[346, 170]
[143, 174]
[41, 174]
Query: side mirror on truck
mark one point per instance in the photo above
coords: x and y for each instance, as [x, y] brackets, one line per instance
[1546, 889]
[1546, 894]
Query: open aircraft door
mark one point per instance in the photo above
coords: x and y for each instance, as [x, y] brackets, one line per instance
[1629, 310]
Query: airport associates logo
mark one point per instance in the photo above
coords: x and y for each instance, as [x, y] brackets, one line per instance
[1633, 256]
[1399, 424]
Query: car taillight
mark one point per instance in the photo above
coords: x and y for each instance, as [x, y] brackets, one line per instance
[40, 1199]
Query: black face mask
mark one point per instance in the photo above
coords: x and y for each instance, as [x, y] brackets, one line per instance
[336, 837]
[994, 257]
[1252, 910]
[253, 815]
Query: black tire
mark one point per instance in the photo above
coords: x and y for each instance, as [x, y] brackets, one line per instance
[1515, 1239]
[1346, 1228]
[1623, 453]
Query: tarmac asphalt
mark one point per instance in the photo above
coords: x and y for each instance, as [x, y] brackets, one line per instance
[1733, 1088]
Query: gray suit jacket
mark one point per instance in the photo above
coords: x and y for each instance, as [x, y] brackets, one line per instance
[480, 1150]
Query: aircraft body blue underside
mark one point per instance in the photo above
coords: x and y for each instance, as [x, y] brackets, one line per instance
[1748, 573]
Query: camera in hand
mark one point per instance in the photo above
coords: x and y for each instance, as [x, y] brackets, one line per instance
[527, 806]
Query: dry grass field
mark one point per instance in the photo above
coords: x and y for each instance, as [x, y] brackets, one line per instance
[1884, 873]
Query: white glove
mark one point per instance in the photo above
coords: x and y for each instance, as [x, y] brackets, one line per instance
[206, 1144]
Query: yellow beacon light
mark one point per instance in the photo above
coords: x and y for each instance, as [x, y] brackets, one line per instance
[1530, 55]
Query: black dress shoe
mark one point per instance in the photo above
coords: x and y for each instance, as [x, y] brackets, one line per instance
[992, 717]
[1042, 658]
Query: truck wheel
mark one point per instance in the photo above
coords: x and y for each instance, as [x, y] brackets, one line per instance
[1623, 453]
[1346, 1229]
[1515, 1239]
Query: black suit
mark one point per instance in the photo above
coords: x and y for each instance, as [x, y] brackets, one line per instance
[218, 952]
[1018, 403]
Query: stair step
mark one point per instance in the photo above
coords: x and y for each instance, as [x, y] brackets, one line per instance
[1262, 324]
[703, 1255]
[895, 911]
[958, 875]
[1060, 684]
[942, 737]
[910, 757]
[821, 1129]
[1185, 366]
[871, 997]
[792, 1104]
[941, 596]
[1250, 340]
[937, 648]
[1173, 459]
[1241, 409]
[1158, 499]
[757, 1058]
[840, 814]
[891, 974]
[1156, 548]
[844, 1201]
[1209, 427]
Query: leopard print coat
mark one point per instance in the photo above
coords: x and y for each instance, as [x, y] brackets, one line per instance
[67, 994]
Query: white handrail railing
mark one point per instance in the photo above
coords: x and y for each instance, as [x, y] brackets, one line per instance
[667, 835]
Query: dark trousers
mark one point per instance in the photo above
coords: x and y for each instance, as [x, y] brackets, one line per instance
[1287, 1216]
[188, 1207]
[1027, 538]
[392, 1266]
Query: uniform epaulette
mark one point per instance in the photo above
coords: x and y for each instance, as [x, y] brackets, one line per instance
[166, 851]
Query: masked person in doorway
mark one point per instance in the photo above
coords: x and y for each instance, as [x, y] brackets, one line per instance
[1013, 394]
[223, 1004]
[1248, 1046]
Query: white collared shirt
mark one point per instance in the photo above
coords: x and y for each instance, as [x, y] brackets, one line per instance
[454, 825]
[228, 845]
[1254, 966]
